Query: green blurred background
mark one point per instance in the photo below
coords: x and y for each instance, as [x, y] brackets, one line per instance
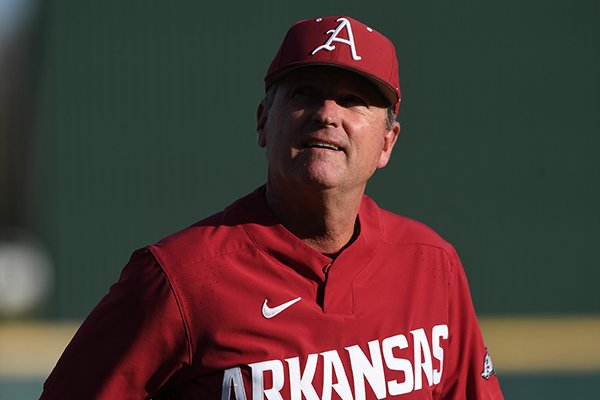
[139, 119]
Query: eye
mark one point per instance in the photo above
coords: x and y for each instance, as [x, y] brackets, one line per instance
[303, 92]
[352, 100]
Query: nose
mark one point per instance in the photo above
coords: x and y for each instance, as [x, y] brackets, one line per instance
[328, 113]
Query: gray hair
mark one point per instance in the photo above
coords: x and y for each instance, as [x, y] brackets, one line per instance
[390, 115]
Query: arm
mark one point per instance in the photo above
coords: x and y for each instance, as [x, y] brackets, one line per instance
[467, 361]
[131, 343]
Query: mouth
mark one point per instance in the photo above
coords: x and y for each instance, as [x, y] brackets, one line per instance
[322, 145]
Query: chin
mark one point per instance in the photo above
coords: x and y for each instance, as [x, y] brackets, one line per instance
[321, 181]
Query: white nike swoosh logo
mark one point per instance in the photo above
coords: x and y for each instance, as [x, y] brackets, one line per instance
[269, 312]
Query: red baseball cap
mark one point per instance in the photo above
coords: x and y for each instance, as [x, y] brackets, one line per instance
[340, 42]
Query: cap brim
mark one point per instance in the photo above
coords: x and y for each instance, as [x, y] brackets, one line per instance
[388, 93]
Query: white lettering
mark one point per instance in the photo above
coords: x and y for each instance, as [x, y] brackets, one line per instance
[438, 333]
[372, 371]
[398, 364]
[331, 362]
[301, 383]
[233, 378]
[422, 358]
[258, 380]
[391, 367]
[344, 23]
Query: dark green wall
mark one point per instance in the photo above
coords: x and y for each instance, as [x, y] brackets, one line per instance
[146, 124]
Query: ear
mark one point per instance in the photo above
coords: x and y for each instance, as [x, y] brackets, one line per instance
[389, 140]
[261, 120]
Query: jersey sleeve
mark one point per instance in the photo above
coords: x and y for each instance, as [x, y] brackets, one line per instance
[469, 372]
[131, 343]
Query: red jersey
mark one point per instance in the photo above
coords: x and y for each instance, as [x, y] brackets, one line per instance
[237, 307]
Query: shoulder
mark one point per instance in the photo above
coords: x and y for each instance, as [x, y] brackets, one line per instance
[401, 230]
[205, 239]
[221, 233]
[409, 239]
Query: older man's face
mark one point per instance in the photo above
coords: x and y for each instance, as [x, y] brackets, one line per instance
[325, 128]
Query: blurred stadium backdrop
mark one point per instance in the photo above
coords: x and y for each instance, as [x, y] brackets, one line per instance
[122, 121]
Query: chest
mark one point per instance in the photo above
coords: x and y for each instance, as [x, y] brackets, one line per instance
[366, 331]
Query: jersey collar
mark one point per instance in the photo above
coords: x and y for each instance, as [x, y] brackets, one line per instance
[277, 242]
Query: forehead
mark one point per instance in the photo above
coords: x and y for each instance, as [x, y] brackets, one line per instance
[328, 77]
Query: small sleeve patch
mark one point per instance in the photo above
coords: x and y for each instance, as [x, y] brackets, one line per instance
[488, 367]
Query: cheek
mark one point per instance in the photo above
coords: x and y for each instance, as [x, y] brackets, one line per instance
[277, 145]
[373, 155]
[270, 134]
[282, 130]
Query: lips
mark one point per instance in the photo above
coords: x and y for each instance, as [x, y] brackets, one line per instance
[322, 145]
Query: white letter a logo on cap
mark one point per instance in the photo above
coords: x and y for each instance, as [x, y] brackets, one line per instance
[344, 23]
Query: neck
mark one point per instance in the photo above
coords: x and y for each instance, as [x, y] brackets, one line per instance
[323, 219]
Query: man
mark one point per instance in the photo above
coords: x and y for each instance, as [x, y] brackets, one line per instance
[305, 288]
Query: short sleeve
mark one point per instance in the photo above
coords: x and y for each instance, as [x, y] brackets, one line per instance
[469, 374]
[131, 343]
